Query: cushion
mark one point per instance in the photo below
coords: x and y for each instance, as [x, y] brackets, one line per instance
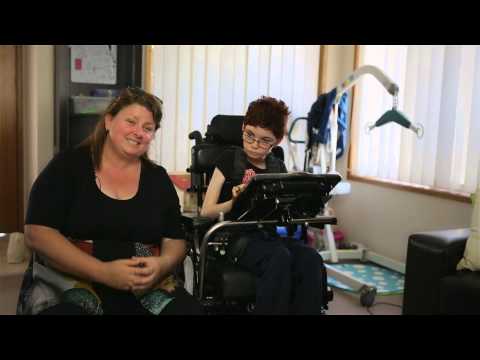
[460, 293]
[471, 256]
[17, 251]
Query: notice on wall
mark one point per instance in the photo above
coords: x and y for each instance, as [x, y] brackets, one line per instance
[93, 64]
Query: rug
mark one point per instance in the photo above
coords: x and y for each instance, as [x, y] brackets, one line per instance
[387, 282]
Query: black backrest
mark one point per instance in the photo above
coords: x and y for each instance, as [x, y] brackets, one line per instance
[225, 130]
[204, 157]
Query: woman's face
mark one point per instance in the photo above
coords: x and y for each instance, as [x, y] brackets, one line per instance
[258, 141]
[131, 130]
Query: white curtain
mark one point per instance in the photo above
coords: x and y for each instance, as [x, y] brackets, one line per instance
[439, 88]
[197, 82]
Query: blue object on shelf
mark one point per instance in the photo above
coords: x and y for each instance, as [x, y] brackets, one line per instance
[105, 92]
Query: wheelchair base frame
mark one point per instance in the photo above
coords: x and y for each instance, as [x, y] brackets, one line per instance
[317, 221]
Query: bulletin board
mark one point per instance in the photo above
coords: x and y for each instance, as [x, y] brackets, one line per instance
[93, 64]
[118, 66]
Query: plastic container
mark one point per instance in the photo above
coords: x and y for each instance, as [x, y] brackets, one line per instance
[89, 104]
[105, 92]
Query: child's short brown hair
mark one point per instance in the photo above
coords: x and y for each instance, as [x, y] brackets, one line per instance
[268, 113]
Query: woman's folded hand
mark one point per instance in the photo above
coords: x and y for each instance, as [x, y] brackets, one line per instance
[152, 270]
[123, 274]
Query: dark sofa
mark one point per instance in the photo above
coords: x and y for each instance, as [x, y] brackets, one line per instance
[432, 283]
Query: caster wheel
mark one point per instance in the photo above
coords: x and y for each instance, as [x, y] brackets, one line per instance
[367, 296]
[329, 294]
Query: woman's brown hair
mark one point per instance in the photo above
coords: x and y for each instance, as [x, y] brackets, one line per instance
[127, 97]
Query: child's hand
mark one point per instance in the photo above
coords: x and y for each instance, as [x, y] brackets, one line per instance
[248, 176]
[237, 190]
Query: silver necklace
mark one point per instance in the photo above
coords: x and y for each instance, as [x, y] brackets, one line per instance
[97, 180]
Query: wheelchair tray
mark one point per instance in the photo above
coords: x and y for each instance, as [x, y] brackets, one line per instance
[277, 196]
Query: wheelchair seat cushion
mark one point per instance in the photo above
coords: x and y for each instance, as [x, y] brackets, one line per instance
[237, 283]
[239, 242]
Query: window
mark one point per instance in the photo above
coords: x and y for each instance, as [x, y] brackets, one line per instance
[198, 82]
[440, 89]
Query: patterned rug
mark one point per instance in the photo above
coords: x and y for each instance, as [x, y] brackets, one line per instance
[387, 282]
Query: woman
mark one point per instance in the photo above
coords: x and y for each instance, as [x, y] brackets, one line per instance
[290, 277]
[104, 223]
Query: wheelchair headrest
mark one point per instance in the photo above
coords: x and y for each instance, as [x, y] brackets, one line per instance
[225, 130]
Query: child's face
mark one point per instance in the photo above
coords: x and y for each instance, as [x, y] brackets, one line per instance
[258, 141]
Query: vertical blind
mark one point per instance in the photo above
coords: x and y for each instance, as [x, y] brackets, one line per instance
[439, 88]
[197, 82]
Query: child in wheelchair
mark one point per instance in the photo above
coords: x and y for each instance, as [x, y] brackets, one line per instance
[290, 275]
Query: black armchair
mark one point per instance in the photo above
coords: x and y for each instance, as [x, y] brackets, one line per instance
[432, 283]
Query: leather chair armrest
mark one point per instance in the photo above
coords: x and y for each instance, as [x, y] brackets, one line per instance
[450, 244]
[195, 227]
[430, 256]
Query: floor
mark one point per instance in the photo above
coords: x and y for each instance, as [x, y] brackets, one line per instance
[344, 303]
[348, 303]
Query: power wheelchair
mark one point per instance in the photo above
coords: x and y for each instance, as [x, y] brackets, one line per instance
[288, 200]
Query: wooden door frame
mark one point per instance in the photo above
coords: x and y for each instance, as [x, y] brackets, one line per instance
[19, 56]
[11, 137]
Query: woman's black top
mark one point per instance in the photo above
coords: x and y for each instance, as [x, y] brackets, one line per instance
[66, 197]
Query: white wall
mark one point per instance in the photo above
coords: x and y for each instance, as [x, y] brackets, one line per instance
[383, 218]
[38, 111]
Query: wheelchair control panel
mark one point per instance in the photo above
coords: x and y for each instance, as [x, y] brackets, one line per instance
[284, 197]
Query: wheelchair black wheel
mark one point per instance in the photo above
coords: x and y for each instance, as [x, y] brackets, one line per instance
[250, 308]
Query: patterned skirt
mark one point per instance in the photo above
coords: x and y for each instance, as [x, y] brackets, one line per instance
[44, 286]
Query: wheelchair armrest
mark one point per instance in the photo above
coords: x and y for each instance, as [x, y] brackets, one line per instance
[193, 222]
[197, 136]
